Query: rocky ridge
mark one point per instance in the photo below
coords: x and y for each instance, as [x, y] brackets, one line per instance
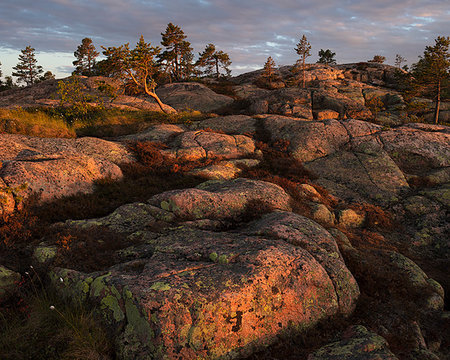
[228, 268]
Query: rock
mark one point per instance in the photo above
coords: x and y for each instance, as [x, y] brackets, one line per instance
[224, 170]
[44, 253]
[417, 151]
[325, 115]
[233, 124]
[56, 176]
[289, 102]
[192, 96]
[322, 214]
[57, 167]
[15, 147]
[357, 344]
[218, 294]
[301, 231]
[194, 145]
[127, 218]
[158, 133]
[308, 140]
[349, 218]
[220, 199]
[332, 99]
[8, 282]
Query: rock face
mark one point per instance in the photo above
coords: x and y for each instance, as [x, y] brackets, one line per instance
[194, 96]
[199, 293]
[55, 167]
[357, 343]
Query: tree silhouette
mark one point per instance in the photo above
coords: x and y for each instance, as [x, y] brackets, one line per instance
[0, 71]
[377, 59]
[85, 55]
[432, 71]
[304, 50]
[27, 70]
[326, 57]
[177, 58]
[211, 60]
[137, 66]
[399, 60]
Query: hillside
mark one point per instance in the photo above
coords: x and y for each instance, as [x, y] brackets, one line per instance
[273, 222]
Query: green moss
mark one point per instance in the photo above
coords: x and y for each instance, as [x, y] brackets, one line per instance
[42, 254]
[160, 286]
[110, 302]
[223, 259]
[213, 256]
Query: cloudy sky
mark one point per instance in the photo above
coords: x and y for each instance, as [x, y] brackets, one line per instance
[248, 30]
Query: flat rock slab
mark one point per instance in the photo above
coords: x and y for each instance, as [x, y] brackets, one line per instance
[56, 167]
[192, 96]
[203, 294]
[56, 176]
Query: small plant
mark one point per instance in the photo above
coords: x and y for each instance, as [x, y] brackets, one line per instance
[375, 105]
[74, 103]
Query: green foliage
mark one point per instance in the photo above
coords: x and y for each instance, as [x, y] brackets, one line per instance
[74, 104]
[375, 105]
[431, 72]
[137, 67]
[269, 69]
[178, 56]
[85, 55]
[379, 59]
[27, 70]
[326, 57]
[212, 60]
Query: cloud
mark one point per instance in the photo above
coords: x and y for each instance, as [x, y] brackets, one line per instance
[248, 30]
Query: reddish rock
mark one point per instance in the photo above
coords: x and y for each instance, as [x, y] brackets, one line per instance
[192, 96]
[221, 199]
[194, 145]
[57, 176]
[218, 294]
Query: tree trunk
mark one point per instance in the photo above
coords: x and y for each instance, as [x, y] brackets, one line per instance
[303, 72]
[438, 102]
[217, 68]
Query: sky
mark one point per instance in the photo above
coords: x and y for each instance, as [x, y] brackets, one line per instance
[248, 30]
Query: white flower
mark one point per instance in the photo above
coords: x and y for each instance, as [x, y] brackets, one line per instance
[61, 279]
[52, 307]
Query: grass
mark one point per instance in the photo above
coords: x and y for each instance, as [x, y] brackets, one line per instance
[33, 123]
[51, 122]
[38, 324]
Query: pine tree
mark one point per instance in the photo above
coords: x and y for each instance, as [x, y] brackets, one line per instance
[379, 59]
[326, 57]
[432, 71]
[269, 70]
[137, 66]
[304, 50]
[211, 60]
[0, 71]
[27, 70]
[178, 56]
[85, 55]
